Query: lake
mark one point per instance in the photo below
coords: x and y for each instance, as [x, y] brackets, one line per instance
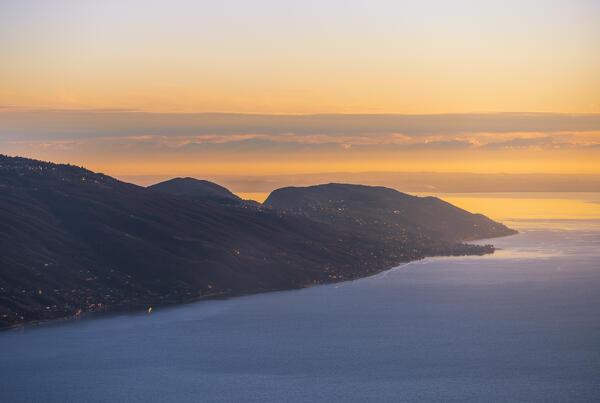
[520, 325]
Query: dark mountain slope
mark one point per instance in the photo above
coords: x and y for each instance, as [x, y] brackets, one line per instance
[195, 188]
[72, 240]
[374, 209]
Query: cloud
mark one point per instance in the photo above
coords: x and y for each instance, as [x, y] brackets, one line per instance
[294, 144]
[119, 132]
[439, 145]
[20, 124]
[519, 142]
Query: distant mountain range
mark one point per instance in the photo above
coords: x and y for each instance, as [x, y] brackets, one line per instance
[195, 188]
[74, 241]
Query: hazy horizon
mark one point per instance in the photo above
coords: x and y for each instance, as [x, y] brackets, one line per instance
[204, 89]
[139, 144]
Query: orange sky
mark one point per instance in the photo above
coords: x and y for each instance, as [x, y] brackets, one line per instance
[465, 86]
[310, 57]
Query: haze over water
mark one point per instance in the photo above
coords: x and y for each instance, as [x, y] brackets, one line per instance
[519, 325]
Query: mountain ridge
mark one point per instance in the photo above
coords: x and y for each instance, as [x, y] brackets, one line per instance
[388, 208]
[75, 241]
[195, 188]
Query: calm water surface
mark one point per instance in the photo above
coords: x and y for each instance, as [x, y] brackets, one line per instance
[521, 325]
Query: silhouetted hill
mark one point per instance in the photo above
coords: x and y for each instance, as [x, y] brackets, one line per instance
[392, 213]
[73, 241]
[195, 188]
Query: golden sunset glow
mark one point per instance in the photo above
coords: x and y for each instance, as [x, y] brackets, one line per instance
[533, 206]
[309, 57]
[140, 90]
[412, 162]
[281, 57]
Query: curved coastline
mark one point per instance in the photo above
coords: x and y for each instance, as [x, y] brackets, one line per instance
[139, 308]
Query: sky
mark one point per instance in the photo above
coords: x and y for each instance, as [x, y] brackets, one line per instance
[202, 88]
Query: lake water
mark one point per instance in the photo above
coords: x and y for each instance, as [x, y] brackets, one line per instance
[520, 325]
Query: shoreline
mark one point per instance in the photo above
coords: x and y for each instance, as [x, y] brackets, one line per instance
[225, 295]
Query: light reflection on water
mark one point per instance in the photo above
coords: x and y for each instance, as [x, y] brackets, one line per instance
[529, 206]
[519, 325]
